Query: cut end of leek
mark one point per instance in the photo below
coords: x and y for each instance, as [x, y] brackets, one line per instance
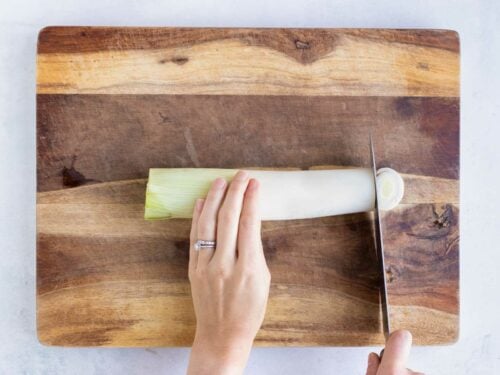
[390, 187]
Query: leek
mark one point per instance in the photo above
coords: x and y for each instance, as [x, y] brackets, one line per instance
[285, 195]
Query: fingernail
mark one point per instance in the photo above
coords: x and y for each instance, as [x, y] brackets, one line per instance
[199, 204]
[372, 359]
[253, 184]
[403, 335]
[241, 176]
[407, 335]
[219, 183]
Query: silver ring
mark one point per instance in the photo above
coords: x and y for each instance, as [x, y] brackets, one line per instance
[203, 244]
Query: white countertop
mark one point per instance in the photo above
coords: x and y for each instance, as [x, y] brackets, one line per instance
[478, 350]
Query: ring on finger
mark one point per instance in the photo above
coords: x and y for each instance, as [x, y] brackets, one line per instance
[204, 244]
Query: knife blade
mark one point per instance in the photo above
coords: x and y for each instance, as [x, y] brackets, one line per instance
[379, 244]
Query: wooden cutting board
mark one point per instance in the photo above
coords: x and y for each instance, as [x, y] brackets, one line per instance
[113, 102]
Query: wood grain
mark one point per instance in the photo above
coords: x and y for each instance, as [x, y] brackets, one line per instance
[253, 62]
[109, 257]
[113, 102]
[304, 45]
[414, 135]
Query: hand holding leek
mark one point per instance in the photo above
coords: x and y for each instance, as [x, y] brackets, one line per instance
[230, 284]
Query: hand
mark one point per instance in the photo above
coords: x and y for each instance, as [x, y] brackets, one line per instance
[230, 285]
[396, 352]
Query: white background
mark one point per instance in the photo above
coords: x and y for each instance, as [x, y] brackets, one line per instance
[478, 350]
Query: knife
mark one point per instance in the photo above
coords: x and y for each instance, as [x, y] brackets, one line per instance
[379, 244]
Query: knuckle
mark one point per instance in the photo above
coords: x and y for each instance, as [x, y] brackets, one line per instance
[268, 275]
[191, 275]
[249, 270]
[247, 221]
[200, 273]
[225, 216]
[219, 272]
[204, 228]
[246, 270]
[265, 275]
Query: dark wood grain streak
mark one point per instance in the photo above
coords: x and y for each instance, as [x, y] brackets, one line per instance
[420, 239]
[136, 132]
[304, 45]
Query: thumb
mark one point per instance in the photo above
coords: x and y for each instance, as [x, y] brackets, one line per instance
[373, 363]
[396, 352]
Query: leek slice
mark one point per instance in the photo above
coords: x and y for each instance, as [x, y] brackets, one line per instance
[285, 195]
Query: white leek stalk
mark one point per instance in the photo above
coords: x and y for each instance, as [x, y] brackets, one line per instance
[285, 195]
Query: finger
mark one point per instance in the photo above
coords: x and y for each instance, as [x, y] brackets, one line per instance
[249, 238]
[229, 217]
[396, 352]
[207, 222]
[193, 254]
[373, 363]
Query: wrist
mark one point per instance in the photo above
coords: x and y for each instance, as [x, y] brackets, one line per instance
[221, 356]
